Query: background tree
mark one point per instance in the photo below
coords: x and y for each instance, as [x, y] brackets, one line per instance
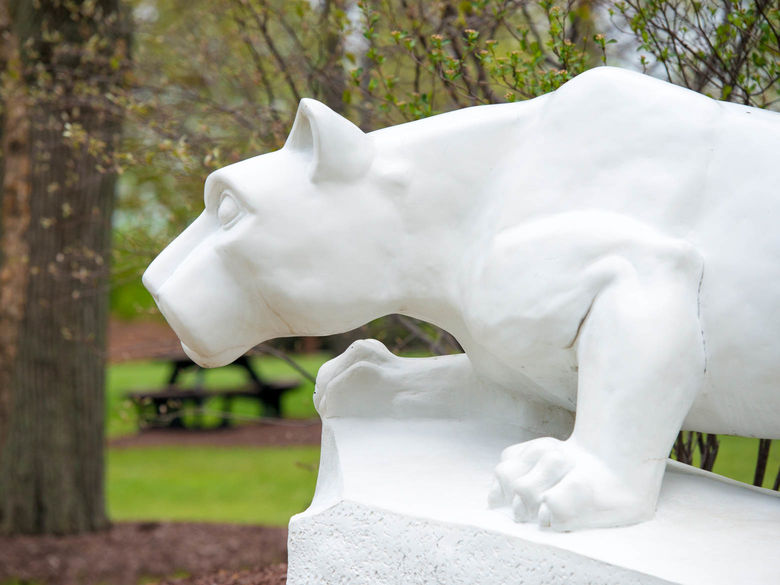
[727, 49]
[59, 132]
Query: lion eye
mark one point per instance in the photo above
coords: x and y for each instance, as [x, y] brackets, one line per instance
[227, 211]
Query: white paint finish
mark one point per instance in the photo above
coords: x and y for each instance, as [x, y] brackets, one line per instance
[409, 509]
[610, 247]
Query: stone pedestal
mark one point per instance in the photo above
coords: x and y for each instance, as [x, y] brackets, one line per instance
[403, 501]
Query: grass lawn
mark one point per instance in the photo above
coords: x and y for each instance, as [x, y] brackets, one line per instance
[737, 459]
[256, 485]
[241, 485]
[268, 485]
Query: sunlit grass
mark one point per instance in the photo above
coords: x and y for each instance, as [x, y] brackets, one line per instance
[737, 459]
[211, 484]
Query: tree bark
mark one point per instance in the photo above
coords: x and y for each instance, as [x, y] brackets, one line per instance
[14, 212]
[51, 465]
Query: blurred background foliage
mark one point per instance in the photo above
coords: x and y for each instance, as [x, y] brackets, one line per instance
[217, 81]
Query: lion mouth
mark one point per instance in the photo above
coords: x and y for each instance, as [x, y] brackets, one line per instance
[206, 355]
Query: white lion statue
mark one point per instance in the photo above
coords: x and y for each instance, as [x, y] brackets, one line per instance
[610, 249]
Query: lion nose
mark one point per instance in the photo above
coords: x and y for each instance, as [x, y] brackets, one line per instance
[173, 256]
[149, 282]
[157, 273]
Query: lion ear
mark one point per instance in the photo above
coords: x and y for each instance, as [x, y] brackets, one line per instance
[337, 149]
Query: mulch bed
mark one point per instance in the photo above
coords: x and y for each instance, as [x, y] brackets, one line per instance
[273, 575]
[141, 340]
[131, 552]
[267, 433]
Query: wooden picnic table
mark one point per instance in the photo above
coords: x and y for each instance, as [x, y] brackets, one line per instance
[166, 406]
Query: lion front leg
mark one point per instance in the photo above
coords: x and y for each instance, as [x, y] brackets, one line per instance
[641, 362]
[368, 380]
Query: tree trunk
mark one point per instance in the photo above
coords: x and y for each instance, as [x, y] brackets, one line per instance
[14, 213]
[51, 466]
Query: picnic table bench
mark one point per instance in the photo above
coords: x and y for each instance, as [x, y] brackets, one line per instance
[166, 406]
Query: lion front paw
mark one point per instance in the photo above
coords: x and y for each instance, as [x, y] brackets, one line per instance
[564, 487]
[364, 364]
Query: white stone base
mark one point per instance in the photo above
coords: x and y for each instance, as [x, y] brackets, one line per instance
[404, 502]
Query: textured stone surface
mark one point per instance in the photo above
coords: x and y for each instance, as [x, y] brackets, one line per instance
[353, 543]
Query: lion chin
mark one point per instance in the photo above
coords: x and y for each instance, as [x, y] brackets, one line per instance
[216, 360]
